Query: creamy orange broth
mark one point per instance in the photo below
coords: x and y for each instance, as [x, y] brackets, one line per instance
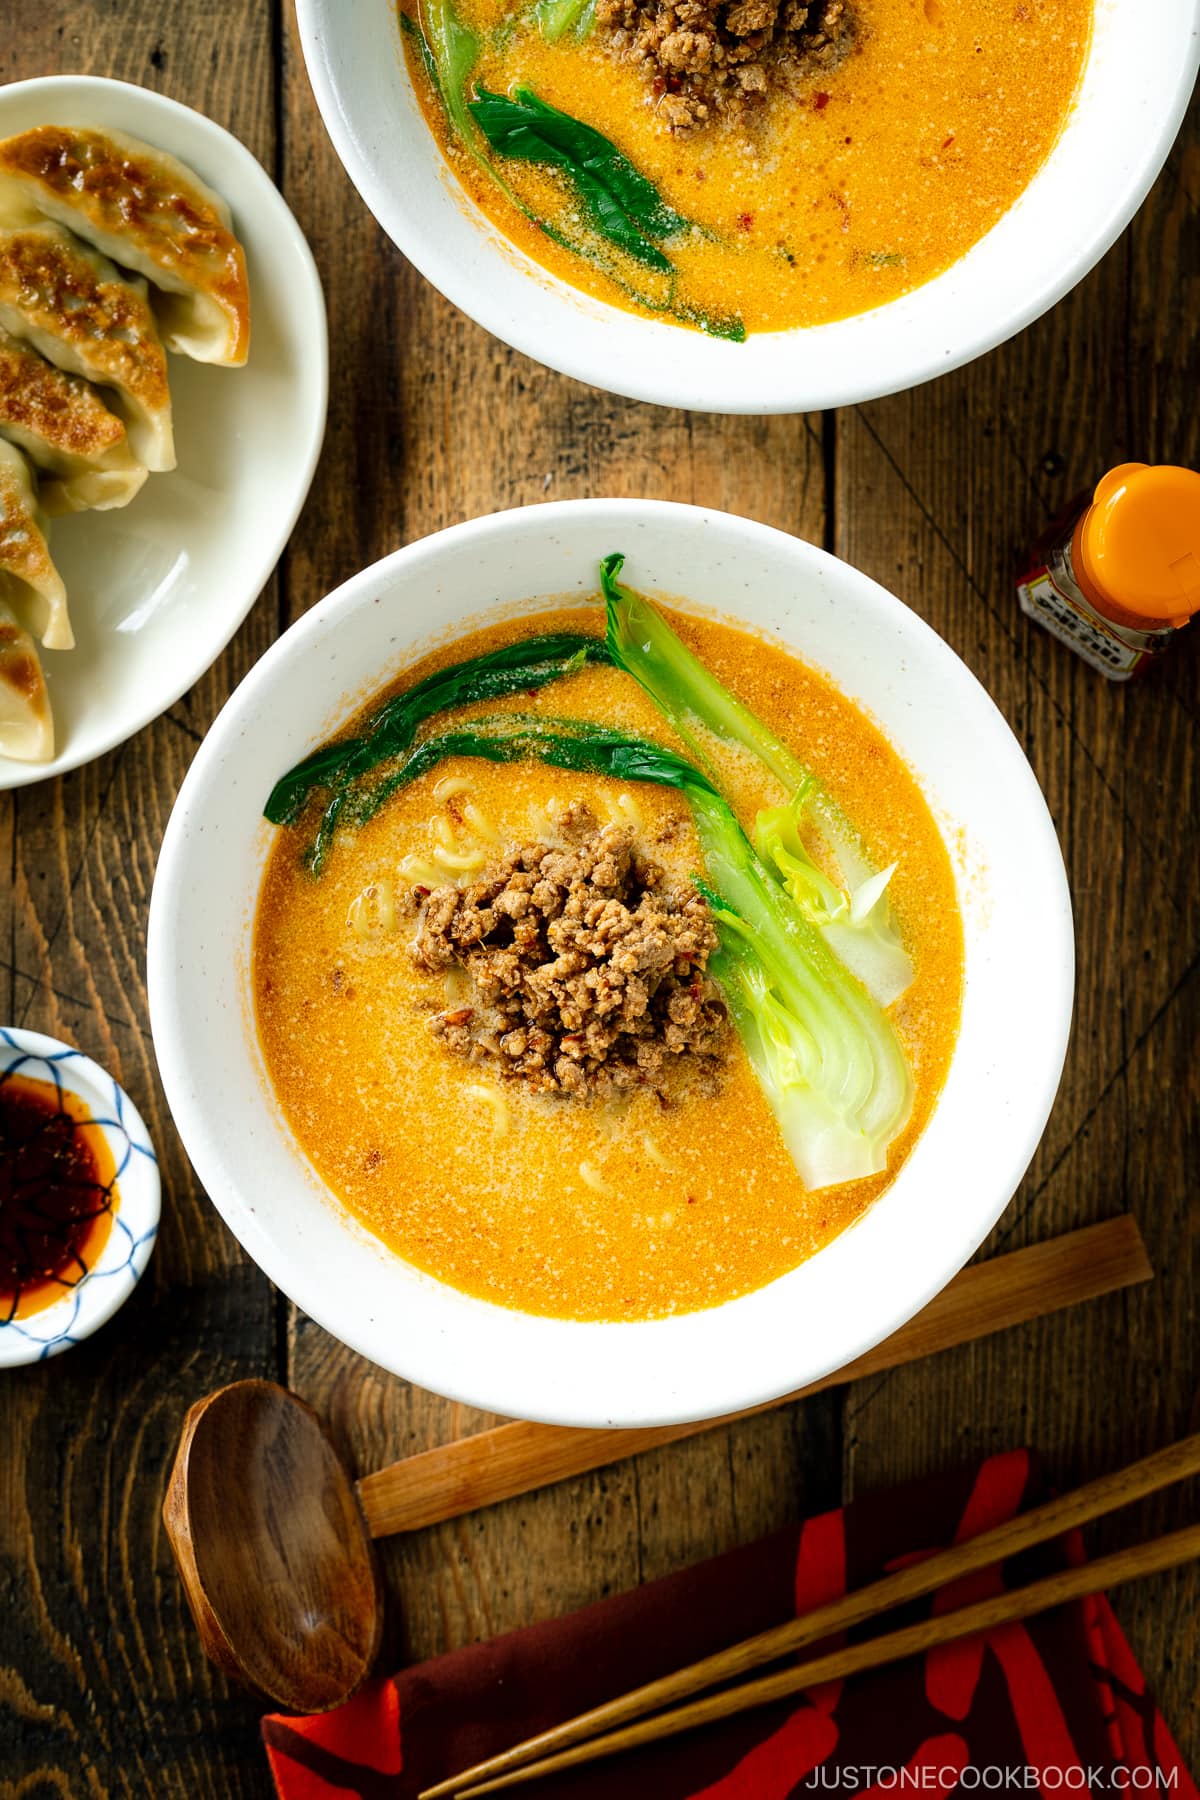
[872, 183]
[578, 1211]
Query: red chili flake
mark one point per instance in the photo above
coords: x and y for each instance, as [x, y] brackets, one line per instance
[947, 141]
[694, 990]
[843, 206]
[699, 174]
[57, 1194]
[691, 1199]
[820, 102]
[454, 808]
[745, 221]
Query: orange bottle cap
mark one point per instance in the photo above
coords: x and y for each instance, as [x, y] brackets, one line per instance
[1137, 547]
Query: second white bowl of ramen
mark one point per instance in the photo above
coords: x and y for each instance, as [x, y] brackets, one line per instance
[960, 1175]
[1140, 71]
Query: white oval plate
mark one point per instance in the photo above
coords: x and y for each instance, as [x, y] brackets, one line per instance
[158, 588]
[86, 1305]
[1134, 92]
[961, 1173]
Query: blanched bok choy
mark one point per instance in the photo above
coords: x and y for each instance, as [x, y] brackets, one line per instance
[620, 204]
[615, 207]
[826, 1055]
[851, 913]
[556, 17]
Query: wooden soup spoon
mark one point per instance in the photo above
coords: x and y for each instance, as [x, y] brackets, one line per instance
[272, 1536]
[273, 1549]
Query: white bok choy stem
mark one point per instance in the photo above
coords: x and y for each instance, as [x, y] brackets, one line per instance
[853, 917]
[826, 1054]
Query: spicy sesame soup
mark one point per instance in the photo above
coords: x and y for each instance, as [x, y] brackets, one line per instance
[630, 1210]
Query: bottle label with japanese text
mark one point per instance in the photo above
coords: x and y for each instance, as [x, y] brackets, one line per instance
[1055, 601]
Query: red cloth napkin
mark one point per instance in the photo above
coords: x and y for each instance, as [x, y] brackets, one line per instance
[1057, 1707]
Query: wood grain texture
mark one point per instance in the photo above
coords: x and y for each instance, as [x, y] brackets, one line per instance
[103, 1690]
[487, 1467]
[1104, 378]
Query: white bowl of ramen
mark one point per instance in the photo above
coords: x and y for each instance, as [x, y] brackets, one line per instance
[1119, 126]
[1008, 882]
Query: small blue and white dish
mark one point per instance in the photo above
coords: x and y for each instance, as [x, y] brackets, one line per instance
[93, 1297]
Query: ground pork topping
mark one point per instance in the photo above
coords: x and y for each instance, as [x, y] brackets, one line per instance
[708, 58]
[587, 970]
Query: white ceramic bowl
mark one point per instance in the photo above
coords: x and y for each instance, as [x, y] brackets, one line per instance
[1139, 75]
[121, 1264]
[159, 587]
[963, 1170]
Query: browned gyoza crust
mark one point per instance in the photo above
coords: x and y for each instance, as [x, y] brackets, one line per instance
[19, 666]
[123, 189]
[23, 552]
[109, 322]
[26, 721]
[59, 408]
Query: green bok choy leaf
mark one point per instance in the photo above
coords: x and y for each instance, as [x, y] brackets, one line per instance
[343, 767]
[826, 1055]
[851, 914]
[620, 203]
[449, 48]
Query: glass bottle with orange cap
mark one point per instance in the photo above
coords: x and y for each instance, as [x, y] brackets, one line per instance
[1119, 575]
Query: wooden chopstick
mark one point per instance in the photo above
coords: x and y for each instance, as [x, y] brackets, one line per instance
[1037, 1526]
[1018, 1603]
[516, 1458]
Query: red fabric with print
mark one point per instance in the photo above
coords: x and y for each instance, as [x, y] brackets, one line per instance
[1060, 1697]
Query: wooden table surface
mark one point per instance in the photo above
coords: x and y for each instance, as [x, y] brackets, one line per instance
[103, 1689]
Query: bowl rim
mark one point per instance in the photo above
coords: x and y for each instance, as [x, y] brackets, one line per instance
[260, 193]
[437, 1365]
[591, 345]
[127, 1250]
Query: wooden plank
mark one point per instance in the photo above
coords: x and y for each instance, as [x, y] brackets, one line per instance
[100, 1654]
[485, 1468]
[950, 482]
[103, 1687]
